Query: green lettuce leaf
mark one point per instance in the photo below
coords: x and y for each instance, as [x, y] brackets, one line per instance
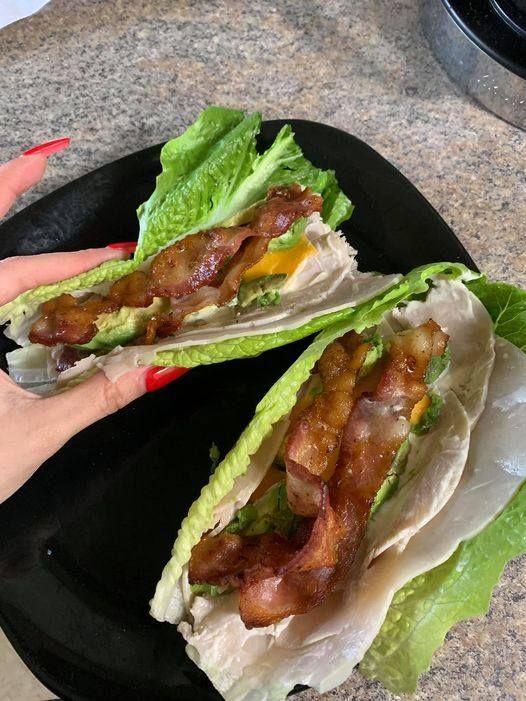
[278, 401]
[337, 207]
[427, 607]
[507, 307]
[221, 174]
[424, 610]
[231, 178]
[182, 155]
[291, 238]
[207, 194]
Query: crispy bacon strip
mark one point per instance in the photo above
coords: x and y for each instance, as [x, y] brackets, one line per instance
[376, 425]
[132, 290]
[195, 261]
[315, 439]
[310, 448]
[284, 205]
[227, 557]
[302, 583]
[70, 320]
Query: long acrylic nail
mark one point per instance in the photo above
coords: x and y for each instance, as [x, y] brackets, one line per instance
[128, 246]
[157, 377]
[48, 148]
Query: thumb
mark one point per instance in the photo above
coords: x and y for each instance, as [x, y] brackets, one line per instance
[33, 428]
[92, 400]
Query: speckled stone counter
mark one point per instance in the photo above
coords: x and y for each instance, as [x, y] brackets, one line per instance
[119, 76]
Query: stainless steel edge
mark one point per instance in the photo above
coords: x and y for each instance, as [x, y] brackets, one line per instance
[495, 87]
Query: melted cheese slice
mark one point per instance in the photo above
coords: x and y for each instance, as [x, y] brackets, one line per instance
[419, 410]
[279, 262]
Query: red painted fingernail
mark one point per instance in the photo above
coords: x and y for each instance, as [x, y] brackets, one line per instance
[157, 377]
[129, 246]
[48, 148]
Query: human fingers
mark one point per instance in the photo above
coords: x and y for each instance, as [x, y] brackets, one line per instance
[97, 397]
[33, 428]
[78, 407]
[22, 273]
[17, 176]
[21, 173]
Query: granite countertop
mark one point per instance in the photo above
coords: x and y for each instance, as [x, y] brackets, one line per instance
[119, 76]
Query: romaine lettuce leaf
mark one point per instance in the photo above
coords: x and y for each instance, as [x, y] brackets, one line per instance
[427, 607]
[206, 195]
[231, 178]
[337, 207]
[507, 307]
[29, 366]
[424, 610]
[182, 155]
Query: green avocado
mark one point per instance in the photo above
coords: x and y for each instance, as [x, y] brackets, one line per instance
[121, 327]
[263, 291]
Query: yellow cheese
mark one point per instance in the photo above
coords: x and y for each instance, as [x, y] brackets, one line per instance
[418, 410]
[277, 262]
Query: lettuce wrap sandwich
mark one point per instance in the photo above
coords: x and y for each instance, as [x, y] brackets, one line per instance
[370, 504]
[238, 252]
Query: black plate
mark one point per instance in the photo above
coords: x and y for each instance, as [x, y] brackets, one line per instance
[83, 543]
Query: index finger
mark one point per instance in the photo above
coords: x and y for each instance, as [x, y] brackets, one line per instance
[17, 176]
[25, 272]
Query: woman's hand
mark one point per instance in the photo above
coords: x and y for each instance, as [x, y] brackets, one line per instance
[32, 428]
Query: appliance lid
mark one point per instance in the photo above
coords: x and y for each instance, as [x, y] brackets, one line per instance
[498, 27]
